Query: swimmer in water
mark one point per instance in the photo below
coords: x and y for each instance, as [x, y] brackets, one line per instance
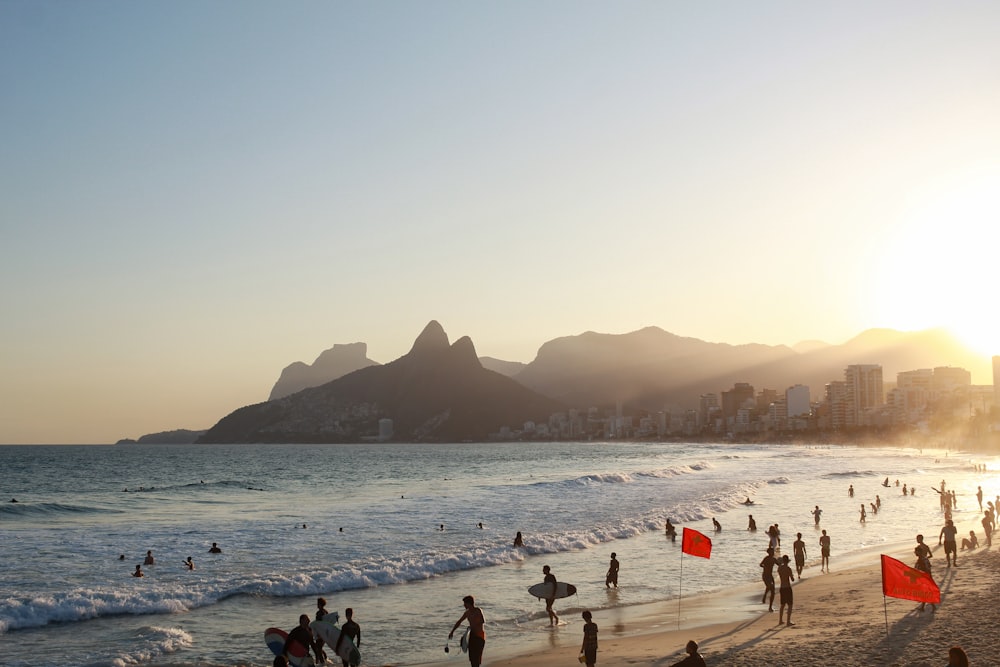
[189, 564]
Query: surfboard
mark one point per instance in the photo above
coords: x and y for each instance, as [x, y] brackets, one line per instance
[543, 591]
[298, 655]
[465, 640]
[330, 633]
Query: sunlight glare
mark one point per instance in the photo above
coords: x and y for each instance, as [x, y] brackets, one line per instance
[940, 268]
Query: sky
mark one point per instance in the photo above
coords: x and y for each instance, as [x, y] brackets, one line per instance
[194, 195]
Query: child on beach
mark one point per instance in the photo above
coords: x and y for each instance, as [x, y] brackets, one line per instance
[588, 650]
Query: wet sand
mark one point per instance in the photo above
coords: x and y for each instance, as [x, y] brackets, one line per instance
[839, 619]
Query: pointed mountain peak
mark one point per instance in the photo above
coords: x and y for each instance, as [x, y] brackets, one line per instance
[464, 351]
[431, 339]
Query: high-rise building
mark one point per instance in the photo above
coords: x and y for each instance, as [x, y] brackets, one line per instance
[864, 392]
[836, 400]
[797, 400]
[735, 398]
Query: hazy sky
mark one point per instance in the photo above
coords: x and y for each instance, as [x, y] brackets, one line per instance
[195, 194]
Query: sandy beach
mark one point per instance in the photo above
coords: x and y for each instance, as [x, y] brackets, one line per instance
[840, 619]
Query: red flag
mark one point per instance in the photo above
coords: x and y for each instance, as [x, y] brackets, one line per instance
[696, 544]
[899, 580]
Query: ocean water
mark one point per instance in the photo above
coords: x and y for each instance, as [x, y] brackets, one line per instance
[362, 526]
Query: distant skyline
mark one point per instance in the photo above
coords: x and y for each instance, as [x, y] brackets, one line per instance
[195, 195]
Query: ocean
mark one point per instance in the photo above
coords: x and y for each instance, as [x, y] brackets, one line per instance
[393, 531]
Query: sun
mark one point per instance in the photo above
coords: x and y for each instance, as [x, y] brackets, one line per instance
[941, 267]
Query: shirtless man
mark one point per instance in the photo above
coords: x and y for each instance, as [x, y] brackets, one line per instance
[785, 589]
[612, 577]
[767, 576]
[302, 634]
[799, 550]
[816, 514]
[149, 559]
[477, 636]
[949, 533]
[824, 552]
[352, 631]
[554, 586]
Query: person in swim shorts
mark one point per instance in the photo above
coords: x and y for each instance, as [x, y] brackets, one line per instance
[477, 636]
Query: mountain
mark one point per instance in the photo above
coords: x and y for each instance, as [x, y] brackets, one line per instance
[436, 392]
[508, 368]
[651, 368]
[336, 362]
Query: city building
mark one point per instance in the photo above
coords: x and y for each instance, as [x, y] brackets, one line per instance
[865, 395]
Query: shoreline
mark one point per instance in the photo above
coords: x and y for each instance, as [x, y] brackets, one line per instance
[840, 618]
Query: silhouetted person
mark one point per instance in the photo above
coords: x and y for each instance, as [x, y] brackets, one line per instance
[785, 589]
[693, 658]
[352, 631]
[588, 650]
[767, 576]
[824, 552]
[612, 576]
[553, 588]
[518, 540]
[799, 551]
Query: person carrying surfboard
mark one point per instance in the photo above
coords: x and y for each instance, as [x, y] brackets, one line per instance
[351, 630]
[302, 634]
[551, 580]
[477, 623]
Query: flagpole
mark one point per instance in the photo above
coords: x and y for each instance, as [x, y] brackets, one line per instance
[885, 607]
[680, 587]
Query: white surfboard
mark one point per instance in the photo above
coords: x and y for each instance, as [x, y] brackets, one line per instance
[465, 640]
[330, 633]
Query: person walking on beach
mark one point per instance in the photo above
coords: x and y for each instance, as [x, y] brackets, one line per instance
[589, 647]
[923, 554]
[767, 576]
[352, 631]
[553, 587]
[949, 533]
[799, 551]
[612, 576]
[477, 636]
[785, 590]
[824, 552]
[979, 497]
[693, 658]
[752, 525]
[716, 524]
[850, 491]
[816, 514]
[988, 528]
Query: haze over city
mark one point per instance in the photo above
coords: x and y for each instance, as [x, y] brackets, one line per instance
[195, 195]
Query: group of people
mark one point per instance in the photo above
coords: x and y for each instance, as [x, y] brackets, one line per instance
[588, 648]
[303, 635]
[150, 560]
